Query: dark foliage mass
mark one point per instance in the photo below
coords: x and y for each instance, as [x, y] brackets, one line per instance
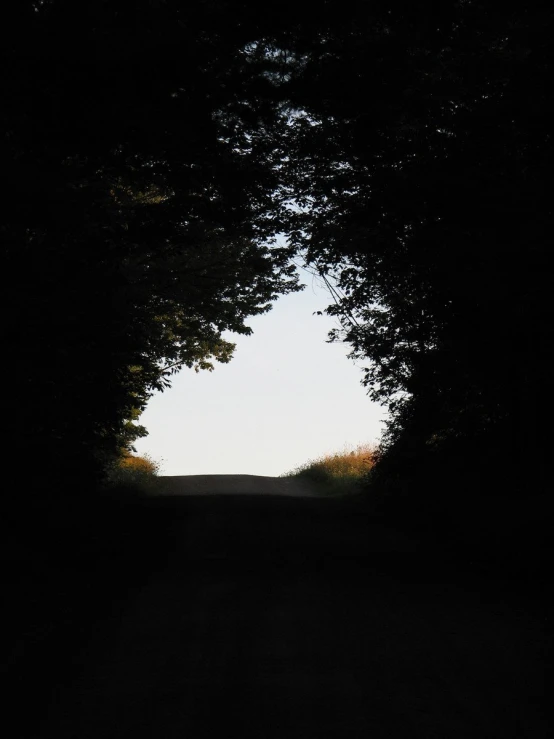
[153, 150]
[420, 158]
[139, 215]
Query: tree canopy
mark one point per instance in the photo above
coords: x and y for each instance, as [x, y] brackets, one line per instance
[402, 150]
[419, 155]
[140, 217]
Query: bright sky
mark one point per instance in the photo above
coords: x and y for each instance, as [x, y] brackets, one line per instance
[286, 397]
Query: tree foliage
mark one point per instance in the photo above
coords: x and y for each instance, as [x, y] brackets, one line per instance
[403, 150]
[139, 220]
[420, 152]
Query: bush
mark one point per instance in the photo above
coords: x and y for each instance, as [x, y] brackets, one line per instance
[133, 475]
[338, 473]
[139, 465]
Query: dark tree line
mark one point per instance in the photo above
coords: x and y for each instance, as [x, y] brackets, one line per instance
[153, 150]
[138, 216]
[420, 161]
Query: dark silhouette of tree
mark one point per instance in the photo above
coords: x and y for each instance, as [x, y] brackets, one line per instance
[139, 215]
[419, 156]
[404, 151]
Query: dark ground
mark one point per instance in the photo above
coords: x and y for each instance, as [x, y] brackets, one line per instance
[268, 617]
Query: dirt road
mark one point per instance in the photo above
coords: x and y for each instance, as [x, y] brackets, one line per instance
[276, 616]
[237, 485]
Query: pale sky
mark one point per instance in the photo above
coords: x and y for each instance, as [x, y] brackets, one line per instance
[286, 397]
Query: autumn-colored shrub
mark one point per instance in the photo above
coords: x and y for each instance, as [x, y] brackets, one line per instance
[134, 474]
[339, 471]
[144, 465]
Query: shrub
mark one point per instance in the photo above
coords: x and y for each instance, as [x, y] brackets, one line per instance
[141, 465]
[132, 474]
[340, 472]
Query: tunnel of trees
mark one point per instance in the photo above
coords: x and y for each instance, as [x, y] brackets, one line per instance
[152, 152]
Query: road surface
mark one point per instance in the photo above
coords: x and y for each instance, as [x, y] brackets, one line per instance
[282, 616]
[238, 485]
